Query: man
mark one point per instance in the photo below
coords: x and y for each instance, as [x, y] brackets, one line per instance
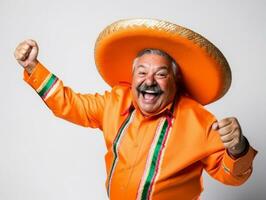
[158, 135]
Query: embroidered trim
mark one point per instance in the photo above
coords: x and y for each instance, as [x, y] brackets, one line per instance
[154, 160]
[226, 169]
[116, 143]
[48, 86]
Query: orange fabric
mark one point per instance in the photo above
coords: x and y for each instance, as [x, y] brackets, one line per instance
[191, 145]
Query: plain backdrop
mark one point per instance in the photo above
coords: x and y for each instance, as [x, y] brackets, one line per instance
[45, 158]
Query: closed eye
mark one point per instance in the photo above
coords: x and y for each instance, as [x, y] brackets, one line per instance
[141, 73]
[161, 75]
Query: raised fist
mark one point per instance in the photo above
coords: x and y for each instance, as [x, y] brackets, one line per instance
[231, 135]
[26, 54]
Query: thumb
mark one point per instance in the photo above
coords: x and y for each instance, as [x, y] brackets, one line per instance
[215, 126]
[33, 53]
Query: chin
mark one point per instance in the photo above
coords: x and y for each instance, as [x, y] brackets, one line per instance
[149, 111]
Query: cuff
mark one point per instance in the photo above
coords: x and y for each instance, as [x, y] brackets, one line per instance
[37, 77]
[241, 165]
[42, 81]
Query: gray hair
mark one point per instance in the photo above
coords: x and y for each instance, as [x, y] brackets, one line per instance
[174, 65]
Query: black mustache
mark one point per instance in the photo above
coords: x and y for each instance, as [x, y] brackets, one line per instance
[155, 88]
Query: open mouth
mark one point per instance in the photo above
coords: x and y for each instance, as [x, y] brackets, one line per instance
[150, 96]
[149, 93]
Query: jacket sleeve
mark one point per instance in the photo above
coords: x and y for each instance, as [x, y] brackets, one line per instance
[221, 166]
[82, 109]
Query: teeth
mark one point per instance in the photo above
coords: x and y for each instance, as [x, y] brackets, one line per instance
[150, 92]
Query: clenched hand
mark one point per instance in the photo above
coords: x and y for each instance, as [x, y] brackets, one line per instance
[26, 54]
[231, 135]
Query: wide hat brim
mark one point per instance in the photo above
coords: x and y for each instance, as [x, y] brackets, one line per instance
[205, 71]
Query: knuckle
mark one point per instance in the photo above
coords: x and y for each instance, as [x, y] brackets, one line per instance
[23, 51]
[231, 145]
[23, 43]
[221, 133]
[235, 135]
[21, 56]
[234, 125]
[26, 46]
[236, 121]
[18, 48]
[223, 139]
[233, 119]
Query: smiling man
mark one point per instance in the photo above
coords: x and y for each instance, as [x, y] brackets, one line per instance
[154, 83]
[158, 135]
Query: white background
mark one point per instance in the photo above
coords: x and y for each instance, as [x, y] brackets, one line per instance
[45, 158]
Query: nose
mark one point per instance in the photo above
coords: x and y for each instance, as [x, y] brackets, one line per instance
[150, 80]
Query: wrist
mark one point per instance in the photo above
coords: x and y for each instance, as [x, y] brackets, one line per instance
[31, 66]
[239, 151]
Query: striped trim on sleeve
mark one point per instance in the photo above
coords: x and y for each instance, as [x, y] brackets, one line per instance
[48, 86]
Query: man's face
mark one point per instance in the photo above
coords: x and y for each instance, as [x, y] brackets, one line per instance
[153, 83]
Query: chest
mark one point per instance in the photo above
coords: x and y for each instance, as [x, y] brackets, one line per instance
[137, 140]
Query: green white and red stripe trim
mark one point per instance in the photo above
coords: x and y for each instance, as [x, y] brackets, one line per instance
[226, 169]
[154, 160]
[116, 143]
[48, 86]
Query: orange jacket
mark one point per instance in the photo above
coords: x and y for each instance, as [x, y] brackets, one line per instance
[159, 157]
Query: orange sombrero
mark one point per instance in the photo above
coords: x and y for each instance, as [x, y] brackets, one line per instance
[206, 73]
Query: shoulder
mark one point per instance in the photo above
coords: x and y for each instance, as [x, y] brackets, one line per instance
[194, 111]
[121, 90]
[119, 95]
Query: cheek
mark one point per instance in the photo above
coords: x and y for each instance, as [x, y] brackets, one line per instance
[163, 85]
[168, 87]
[134, 85]
[136, 82]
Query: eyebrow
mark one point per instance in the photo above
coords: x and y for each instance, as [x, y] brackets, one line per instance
[163, 67]
[140, 66]
[159, 68]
